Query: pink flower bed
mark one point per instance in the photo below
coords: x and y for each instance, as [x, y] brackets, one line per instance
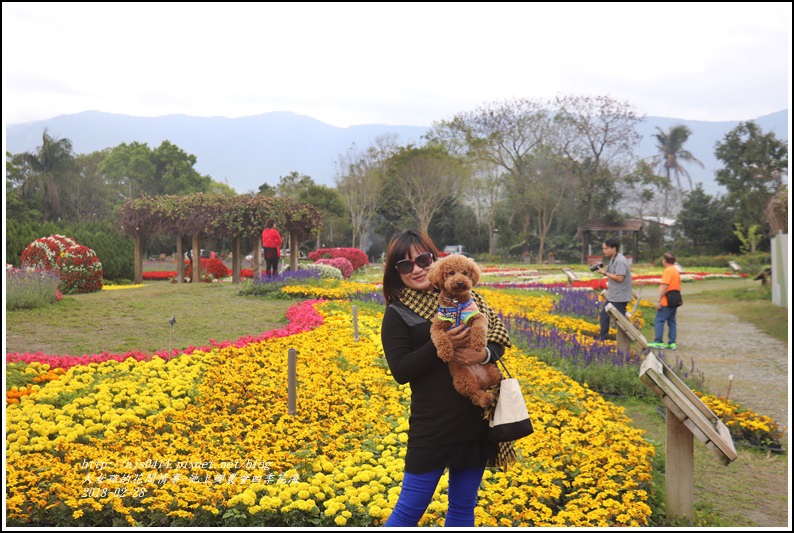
[302, 317]
[356, 256]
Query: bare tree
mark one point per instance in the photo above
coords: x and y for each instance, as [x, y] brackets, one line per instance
[600, 136]
[485, 194]
[554, 176]
[360, 176]
[503, 134]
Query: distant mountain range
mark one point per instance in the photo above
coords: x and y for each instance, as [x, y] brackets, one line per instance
[247, 152]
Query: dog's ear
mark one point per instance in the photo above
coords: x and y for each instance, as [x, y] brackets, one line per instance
[475, 272]
[434, 274]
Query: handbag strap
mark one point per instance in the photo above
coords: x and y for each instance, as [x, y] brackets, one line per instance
[507, 372]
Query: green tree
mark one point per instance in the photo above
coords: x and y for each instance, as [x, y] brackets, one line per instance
[755, 164]
[672, 153]
[18, 207]
[643, 186]
[304, 190]
[704, 220]
[428, 177]
[91, 198]
[139, 170]
[49, 170]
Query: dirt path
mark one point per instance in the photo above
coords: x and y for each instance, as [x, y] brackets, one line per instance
[753, 490]
[720, 346]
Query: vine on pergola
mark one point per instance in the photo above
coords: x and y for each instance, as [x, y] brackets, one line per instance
[213, 215]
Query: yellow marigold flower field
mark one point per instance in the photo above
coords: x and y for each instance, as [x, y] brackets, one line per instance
[206, 439]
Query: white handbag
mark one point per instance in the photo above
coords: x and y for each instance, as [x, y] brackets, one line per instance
[510, 419]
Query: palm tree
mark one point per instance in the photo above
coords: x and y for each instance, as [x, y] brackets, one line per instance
[50, 167]
[672, 153]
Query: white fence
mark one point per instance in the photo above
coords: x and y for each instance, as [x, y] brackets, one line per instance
[780, 272]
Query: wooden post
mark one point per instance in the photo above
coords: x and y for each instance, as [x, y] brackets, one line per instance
[138, 259]
[623, 340]
[196, 260]
[355, 323]
[180, 261]
[291, 381]
[679, 469]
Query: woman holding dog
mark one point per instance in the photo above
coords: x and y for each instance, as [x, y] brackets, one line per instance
[446, 430]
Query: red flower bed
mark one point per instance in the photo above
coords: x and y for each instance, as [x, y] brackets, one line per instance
[165, 275]
[213, 266]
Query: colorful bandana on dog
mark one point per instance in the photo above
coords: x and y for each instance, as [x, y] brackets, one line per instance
[459, 313]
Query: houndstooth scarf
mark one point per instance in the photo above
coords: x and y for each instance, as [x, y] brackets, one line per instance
[425, 304]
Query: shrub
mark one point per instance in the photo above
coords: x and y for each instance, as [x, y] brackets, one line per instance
[209, 267]
[326, 271]
[341, 263]
[28, 288]
[78, 266]
[356, 256]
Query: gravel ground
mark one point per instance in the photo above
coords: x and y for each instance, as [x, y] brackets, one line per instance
[720, 346]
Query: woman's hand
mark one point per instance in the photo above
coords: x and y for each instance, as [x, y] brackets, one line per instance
[468, 356]
[458, 336]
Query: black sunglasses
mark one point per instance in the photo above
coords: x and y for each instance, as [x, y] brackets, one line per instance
[406, 266]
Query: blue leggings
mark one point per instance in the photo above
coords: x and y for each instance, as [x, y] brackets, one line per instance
[417, 491]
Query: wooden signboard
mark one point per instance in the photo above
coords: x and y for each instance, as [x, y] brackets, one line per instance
[687, 415]
[626, 330]
[688, 408]
[571, 276]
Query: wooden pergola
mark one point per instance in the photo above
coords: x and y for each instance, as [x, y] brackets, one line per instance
[204, 215]
[633, 225]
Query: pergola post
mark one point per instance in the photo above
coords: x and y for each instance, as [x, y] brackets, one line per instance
[180, 262]
[196, 260]
[293, 251]
[236, 260]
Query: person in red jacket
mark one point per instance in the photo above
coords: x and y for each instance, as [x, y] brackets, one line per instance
[271, 242]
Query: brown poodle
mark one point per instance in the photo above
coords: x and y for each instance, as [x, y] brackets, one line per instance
[455, 275]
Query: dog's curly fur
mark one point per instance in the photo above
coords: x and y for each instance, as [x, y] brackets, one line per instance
[455, 275]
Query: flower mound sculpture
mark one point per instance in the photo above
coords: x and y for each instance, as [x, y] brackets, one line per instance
[78, 266]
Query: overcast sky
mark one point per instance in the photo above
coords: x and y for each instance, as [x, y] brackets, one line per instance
[396, 64]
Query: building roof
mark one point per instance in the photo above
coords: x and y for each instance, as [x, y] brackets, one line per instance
[635, 224]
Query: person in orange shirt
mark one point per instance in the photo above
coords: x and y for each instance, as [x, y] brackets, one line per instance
[271, 242]
[667, 304]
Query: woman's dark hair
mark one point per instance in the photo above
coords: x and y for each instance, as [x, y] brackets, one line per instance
[270, 223]
[400, 246]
